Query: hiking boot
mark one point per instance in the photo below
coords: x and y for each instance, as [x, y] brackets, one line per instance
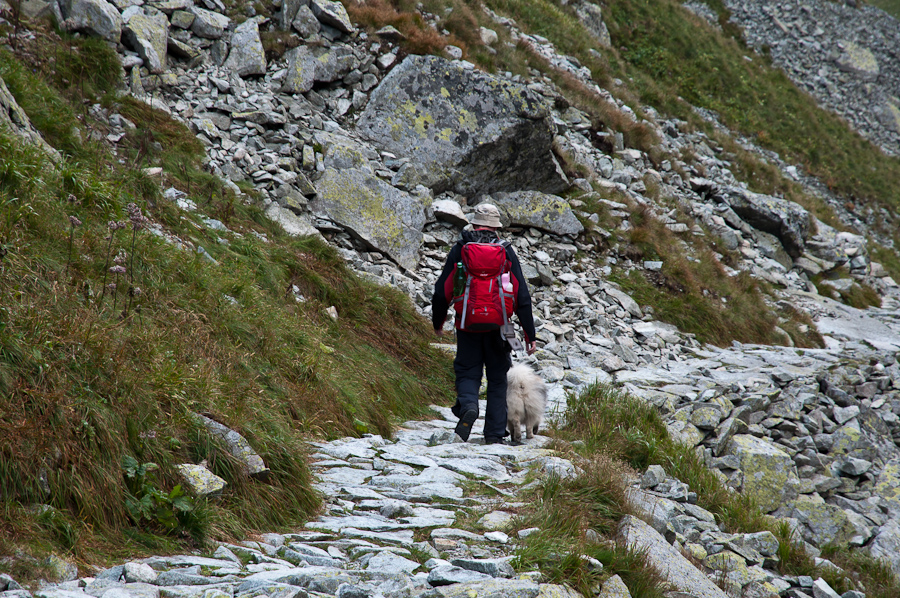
[464, 427]
[492, 440]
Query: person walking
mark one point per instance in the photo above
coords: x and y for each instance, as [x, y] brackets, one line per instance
[482, 347]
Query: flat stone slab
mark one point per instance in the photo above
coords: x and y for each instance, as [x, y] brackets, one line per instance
[490, 588]
[401, 538]
[347, 475]
[336, 524]
[479, 468]
[445, 575]
[674, 568]
[391, 564]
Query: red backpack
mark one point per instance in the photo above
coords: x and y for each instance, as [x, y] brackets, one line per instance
[484, 291]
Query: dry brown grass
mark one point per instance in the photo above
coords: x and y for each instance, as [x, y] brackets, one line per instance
[418, 37]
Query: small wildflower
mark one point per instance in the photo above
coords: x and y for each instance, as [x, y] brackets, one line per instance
[72, 198]
[136, 291]
[112, 225]
[121, 224]
[120, 258]
[111, 287]
[117, 270]
[74, 221]
[148, 434]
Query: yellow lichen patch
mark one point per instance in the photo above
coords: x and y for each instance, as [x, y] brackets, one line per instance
[894, 111]
[846, 438]
[887, 486]
[467, 120]
[422, 124]
[444, 92]
[860, 59]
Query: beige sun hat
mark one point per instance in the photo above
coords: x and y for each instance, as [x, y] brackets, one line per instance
[486, 214]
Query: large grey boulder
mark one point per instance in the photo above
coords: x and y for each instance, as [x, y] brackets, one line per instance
[247, 56]
[592, 17]
[539, 210]
[301, 71]
[466, 130]
[785, 219]
[667, 560]
[305, 22]
[208, 24]
[237, 445]
[148, 33]
[333, 14]
[386, 218]
[288, 11]
[308, 66]
[770, 476]
[886, 545]
[95, 17]
[14, 120]
[822, 523]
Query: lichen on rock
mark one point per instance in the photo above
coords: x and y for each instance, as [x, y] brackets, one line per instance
[466, 130]
[386, 218]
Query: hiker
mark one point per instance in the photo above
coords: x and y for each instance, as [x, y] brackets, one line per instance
[484, 335]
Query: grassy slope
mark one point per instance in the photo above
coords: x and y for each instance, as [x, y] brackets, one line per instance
[90, 378]
[892, 7]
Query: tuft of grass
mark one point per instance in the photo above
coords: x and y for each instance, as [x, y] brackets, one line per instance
[859, 295]
[892, 7]
[567, 513]
[887, 258]
[418, 37]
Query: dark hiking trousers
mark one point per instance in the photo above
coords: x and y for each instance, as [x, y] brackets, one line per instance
[478, 352]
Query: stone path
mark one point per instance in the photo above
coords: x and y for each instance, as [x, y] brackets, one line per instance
[394, 503]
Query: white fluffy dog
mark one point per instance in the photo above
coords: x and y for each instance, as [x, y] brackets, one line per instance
[526, 398]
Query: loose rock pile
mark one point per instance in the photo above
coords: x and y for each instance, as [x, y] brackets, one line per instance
[843, 54]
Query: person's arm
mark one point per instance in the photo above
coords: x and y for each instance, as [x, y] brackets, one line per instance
[523, 298]
[440, 303]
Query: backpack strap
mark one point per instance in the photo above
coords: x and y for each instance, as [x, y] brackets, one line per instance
[466, 301]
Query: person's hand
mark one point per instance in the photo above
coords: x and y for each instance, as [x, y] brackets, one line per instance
[439, 332]
[531, 347]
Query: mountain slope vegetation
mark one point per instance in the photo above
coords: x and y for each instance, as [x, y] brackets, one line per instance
[121, 317]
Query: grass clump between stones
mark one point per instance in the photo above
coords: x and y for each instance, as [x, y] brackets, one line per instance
[619, 435]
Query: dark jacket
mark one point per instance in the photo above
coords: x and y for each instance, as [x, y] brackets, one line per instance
[440, 303]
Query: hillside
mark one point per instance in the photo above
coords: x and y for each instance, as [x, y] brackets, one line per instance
[222, 223]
